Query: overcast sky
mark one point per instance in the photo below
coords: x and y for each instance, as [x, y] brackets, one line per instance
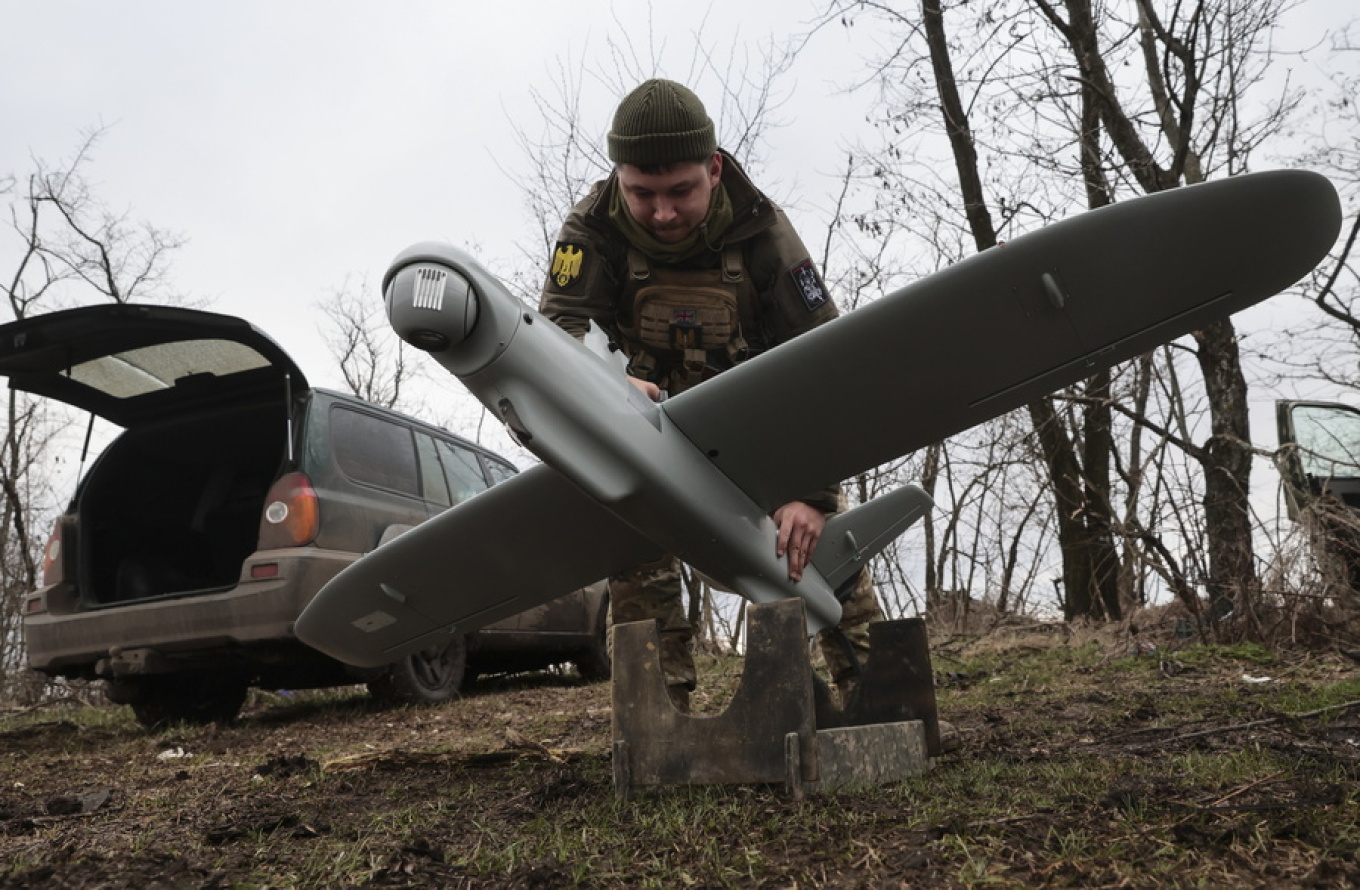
[295, 144]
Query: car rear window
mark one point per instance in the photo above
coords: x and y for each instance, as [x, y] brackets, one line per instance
[125, 375]
[372, 450]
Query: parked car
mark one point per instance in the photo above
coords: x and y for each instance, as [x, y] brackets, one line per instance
[233, 494]
[1320, 464]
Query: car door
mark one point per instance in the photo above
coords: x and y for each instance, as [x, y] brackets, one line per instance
[1319, 456]
[376, 487]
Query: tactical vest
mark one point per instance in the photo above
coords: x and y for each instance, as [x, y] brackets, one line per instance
[682, 326]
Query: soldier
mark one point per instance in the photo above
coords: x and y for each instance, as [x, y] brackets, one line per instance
[688, 267]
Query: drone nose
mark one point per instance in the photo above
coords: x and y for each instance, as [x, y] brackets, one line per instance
[431, 306]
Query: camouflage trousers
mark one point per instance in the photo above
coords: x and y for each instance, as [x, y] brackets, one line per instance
[654, 592]
[858, 611]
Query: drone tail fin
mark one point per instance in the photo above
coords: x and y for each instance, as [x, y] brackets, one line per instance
[852, 538]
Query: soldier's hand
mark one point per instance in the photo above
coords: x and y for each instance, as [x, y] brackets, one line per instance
[800, 527]
[647, 388]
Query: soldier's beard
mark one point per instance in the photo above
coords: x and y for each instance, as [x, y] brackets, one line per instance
[670, 234]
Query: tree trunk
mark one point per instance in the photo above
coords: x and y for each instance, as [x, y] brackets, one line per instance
[1090, 560]
[930, 474]
[1097, 446]
[1226, 460]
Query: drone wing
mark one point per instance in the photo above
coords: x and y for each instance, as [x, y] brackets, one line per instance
[530, 539]
[1004, 327]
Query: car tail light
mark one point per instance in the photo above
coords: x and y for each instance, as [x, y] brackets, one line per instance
[291, 515]
[54, 569]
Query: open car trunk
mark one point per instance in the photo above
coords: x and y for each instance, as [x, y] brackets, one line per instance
[173, 505]
[173, 508]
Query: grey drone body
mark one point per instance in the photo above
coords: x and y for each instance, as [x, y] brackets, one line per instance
[576, 411]
[624, 480]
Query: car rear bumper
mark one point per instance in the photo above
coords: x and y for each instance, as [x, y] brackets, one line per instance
[130, 638]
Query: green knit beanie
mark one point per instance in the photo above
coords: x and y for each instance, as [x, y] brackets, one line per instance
[659, 123]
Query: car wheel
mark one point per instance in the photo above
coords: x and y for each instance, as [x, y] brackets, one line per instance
[593, 663]
[167, 699]
[430, 676]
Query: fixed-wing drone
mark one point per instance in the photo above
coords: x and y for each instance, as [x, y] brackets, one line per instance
[624, 480]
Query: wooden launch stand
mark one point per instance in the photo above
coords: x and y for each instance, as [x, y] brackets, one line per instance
[781, 726]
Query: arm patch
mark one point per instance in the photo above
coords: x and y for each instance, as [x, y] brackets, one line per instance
[809, 285]
[568, 262]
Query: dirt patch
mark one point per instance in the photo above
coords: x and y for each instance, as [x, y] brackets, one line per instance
[1079, 767]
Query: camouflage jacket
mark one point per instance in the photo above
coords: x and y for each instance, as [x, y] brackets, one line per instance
[792, 299]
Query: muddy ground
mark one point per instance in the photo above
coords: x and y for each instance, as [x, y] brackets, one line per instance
[1086, 769]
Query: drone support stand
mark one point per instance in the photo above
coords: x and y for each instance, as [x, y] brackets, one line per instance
[780, 726]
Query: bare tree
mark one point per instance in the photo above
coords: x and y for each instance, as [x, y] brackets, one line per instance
[1335, 287]
[69, 247]
[27, 500]
[1199, 62]
[1047, 106]
[75, 247]
[1319, 548]
[375, 363]
[1078, 466]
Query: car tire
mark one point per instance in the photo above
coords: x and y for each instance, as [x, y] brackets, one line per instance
[430, 676]
[198, 698]
[593, 662]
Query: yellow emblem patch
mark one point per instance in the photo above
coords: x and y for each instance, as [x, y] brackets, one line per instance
[566, 264]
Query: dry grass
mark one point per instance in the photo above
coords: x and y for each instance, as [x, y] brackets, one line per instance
[1084, 765]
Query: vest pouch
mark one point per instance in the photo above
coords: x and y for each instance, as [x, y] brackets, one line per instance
[686, 321]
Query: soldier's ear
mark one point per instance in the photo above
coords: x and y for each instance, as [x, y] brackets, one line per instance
[715, 169]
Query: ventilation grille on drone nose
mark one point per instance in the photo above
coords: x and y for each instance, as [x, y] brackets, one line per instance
[430, 289]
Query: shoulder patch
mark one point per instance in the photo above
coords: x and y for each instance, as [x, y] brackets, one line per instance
[809, 285]
[567, 261]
